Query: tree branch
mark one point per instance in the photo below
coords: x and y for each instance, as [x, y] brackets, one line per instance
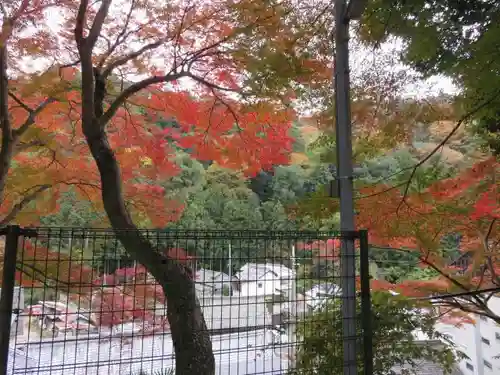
[133, 89]
[7, 142]
[26, 200]
[213, 86]
[494, 276]
[464, 118]
[80, 22]
[23, 146]
[124, 59]
[20, 102]
[32, 116]
[119, 39]
[95, 29]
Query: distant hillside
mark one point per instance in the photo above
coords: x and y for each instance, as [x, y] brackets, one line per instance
[461, 148]
[309, 129]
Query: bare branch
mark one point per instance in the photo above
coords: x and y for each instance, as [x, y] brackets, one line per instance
[20, 102]
[213, 86]
[488, 234]
[494, 277]
[178, 35]
[124, 59]
[119, 39]
[69, 65]
[23, 146]
[32, 116]
[80, 22]
[133, 89]
[26, 200]
[95, 29]
[7, 142]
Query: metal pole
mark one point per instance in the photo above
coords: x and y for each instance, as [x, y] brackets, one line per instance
[230, 262]
[366, 305]
[293, 312]
[344, 175]
[12, 234]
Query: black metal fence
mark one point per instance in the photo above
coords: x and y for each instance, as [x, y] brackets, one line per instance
[74, 302]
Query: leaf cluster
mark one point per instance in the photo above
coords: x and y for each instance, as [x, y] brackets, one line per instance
[395, 320]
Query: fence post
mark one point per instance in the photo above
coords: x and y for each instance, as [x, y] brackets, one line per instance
[12, 234]
[366, 305]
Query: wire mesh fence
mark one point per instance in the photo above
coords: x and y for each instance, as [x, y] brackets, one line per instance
[77, 303]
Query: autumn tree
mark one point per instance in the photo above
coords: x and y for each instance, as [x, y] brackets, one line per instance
[43, 151]
[15, 18]
[416, 222]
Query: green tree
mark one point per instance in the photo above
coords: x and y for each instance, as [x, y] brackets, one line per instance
[73, 212]
[275, 217]
[288, 183]
[394, 320]
[191, 175]
[396, 168]
[299, 144]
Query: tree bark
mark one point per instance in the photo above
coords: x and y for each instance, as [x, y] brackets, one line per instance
[191, 339]
[193, 348]
[7, 146]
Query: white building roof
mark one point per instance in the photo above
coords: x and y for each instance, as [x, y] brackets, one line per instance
[243, 353]
[216, 278]
[256, 271]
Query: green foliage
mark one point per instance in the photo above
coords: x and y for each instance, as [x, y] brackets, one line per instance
[288, 183]
[458, 39]
[299, 144]
[73, 212]
[226, 290]
[275, 217]
[217, 198]
[224, 201]
[190, 178]
[397, 167]
[394, 320]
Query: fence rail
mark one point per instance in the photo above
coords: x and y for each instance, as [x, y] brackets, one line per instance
[73, 300]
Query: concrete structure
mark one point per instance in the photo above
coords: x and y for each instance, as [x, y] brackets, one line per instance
[241, 341]
[319, 294]
[242, 353]
[480, 342]
[224, 313]
[213, 282]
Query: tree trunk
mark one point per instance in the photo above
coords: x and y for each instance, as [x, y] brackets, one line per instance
[7, 145]
[193, 347]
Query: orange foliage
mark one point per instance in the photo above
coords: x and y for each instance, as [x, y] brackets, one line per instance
[322, 249]
[234, 114]
[252, 139]
[468, 204]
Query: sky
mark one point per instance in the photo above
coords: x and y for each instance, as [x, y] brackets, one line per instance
[360, 59]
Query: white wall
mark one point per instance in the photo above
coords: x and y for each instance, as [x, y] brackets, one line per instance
[480, 342]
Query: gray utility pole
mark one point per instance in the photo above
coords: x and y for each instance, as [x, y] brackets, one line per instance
[343, 14]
